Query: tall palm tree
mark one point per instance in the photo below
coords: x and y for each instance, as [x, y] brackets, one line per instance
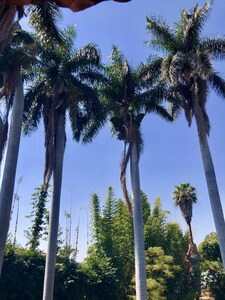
[18, 52]
[187, 67]
[128, 97]
[15, 57]
[64, 83]
[184, 197]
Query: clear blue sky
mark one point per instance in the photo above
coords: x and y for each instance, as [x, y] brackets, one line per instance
[171, 153]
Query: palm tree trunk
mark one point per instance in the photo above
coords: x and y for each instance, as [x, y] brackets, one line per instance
[210, 175]
[9, 173]
[7, 25]
[140, 264]
[54, 211]
[190, 233]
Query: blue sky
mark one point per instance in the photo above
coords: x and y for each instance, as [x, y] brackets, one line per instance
[171, 153]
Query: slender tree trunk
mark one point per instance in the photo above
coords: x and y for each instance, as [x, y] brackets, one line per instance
[139, 247]
[190, 233]
[210, 175]
[9, 173]
[54, 211]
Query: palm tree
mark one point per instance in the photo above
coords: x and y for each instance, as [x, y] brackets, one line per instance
[19, 53]
[64, 83]
[187, 67]
[128, 97]
[16, 56]
[43, 14]
[184, 197]
[9, 9]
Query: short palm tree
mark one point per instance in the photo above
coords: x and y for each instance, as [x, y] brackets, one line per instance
[64, 83]
[188, 69]
[128, 97]
[184, 197]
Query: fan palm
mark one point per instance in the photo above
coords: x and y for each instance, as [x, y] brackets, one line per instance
[187, 67]
[128, 97]
[64, 83]
[15, 56]
[184, 197]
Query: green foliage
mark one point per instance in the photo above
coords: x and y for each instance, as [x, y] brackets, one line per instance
[101, 275]
[113, 235]
[175, 243]
[160, 268]
[146, 207]
[213, 275]
[38, 215]
[155, 226]
[213, 278]
[69, 280]
[108, 270]
[209, 248]
[96, 216]
[22, 275]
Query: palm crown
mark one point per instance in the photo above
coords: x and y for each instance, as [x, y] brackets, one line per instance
[63, 83]
[187, 64]
[184, 196]
[128, 96]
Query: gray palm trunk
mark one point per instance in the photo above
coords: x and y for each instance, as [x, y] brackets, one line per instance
[54, 210]
[139, 247]
[210, 175]
[9, 172]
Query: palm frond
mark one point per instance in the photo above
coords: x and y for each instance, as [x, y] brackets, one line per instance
[33, 101]
[69, 34]
[22, 36]
[148, 73]
[93, 127]
[217, 83]
[44, 18]
[162, 112]
[162, 36]
[116, 57]
[85, 57]
[214, 46]
[93, 77]
[191, 25]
